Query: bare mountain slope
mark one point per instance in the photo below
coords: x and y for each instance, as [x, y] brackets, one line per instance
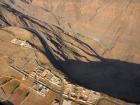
[94, 42]
[112, 23]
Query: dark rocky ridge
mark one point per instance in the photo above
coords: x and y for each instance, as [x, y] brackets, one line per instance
[6, 103]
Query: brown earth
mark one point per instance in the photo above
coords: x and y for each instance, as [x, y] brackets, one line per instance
[112, 24]
[95, 43]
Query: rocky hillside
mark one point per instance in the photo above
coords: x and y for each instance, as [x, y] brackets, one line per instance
[112, 24]
[94, 42]
[109, 27]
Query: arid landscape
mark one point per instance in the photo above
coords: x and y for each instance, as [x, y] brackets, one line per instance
[69, 52]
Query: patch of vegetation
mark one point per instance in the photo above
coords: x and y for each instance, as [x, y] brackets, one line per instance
[40, 88]
[5, 81]
[14, 87]
[26, 94]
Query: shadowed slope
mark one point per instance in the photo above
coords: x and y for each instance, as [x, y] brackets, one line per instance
[6, 103]
[116, 78]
